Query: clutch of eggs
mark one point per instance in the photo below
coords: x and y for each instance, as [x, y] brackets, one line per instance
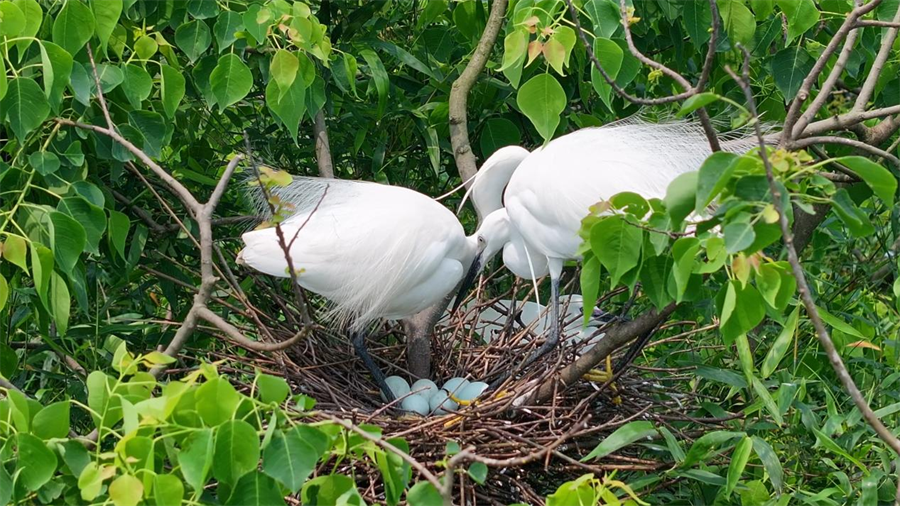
[425, 398]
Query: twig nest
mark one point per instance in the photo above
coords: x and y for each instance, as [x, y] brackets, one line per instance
[424, 387]
[417, 404]
[440, 403]
[399, 387]
[454, 386]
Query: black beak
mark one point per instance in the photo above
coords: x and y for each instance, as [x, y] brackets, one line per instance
[467, 282]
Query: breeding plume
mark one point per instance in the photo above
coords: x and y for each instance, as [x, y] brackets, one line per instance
[375, 251]
[541, 197]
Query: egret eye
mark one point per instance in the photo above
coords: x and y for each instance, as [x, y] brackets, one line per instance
[481, 240]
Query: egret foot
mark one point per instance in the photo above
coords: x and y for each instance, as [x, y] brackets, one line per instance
[600, 376]
[359, 344]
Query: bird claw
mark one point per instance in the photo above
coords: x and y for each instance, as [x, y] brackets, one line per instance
[600, 376]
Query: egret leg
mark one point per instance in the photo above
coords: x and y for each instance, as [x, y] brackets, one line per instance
[552, 341]
[359, 344]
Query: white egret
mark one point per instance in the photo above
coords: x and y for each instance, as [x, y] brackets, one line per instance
[375, 251]
[549, 191]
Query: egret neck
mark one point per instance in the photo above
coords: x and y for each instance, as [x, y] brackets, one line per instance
[486, 242]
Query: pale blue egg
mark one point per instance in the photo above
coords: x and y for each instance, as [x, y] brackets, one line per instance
[424, 387]
[472, 391]
[455, 385]
[440, 403]
[416, 404]
[399, 387]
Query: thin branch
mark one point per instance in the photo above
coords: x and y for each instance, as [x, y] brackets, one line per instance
[803, 93]
[323, 148]
[887, 43]
[802, 287]
[179, 189]
[100, 98]
[882, 24]
[847, 120]
[459, 93]
[415, 464]
[238, 337]
[862, 146]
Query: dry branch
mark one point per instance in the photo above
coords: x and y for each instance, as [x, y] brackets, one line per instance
[459, 93]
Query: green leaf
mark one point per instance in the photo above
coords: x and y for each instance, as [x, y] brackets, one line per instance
[36, 463]
[478, 471]
[8, 353]
[226, 27]
[34, 16]
[789, 67]
[768, 280]
[740, 25]
[216, 401]
[617, 244]
[145, 47]
[709, 441]
[126, 490]
[111, 76]
[152, 128]
[555, 54]
[746, 309]
[68, 241]
[604, 16]
[91, 218]
[12, 20]
[290, 459]
[73, 26]
[60, 303]
[41, 267]
[25, 106]
[722, 376]
[407, 58]
[45, 162]
[621, 437]
[738, 236]
[672, 444]
[334, 489]
[14, 249]
[697, 20]
[801, 15]
[237, 451]
[60, 64]
[770, 461]
[542, 99]
[839, 324]
[272, 388]
[167, 490]
[284, 68]
[379, 78]
[739, 459]
[853, 217]
[256, 489]
[172, 89]
[194, 457]
[697, 101]
[713, 176]
[498, 133]
[684, 252]
[877, 177]
[424, 494]
[193, 38]
[137, 85]
[256, 28]
[202, 9]
[768, 401]
[231, 80]
[4, 85]
[830, 445]
[118, 231]
[610, 56]
[680, 196]
[289, 108]
[655, 273]
[781, 345]
[590, 284]
[106, 14]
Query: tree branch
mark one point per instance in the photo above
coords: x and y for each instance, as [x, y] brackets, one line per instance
[868, 87]
[802, 287]
[459, 94]
[847, 120]
[615, 338]
[862, 146]
[323, 148]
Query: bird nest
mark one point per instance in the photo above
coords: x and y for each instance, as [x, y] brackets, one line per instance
[542, 443]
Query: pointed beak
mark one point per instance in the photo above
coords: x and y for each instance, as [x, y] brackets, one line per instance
[469, 279]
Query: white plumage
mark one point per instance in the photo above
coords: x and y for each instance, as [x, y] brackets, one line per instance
[549, 191]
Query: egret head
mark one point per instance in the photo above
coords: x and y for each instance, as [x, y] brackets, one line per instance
[488, 240]
[487, 188]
